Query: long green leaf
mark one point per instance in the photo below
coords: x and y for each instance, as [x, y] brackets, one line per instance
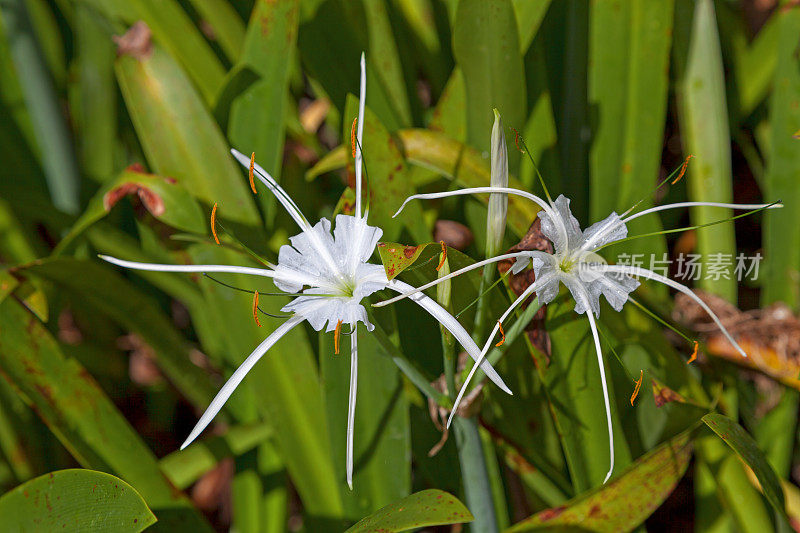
[74, 407]
[743, 444]
[486, 48]
[179, 137]
[105, 290]
[628, 81]
[174, 30]
[426, 508]
[704, 121]
[258, 115]
[782, 228]
[75, 500]
[625, 502]
[52, 134]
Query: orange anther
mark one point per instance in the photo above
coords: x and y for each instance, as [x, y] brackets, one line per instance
[516, 139]
[214, 222]
[694, 354]
[683, 169]
[255, 308]
[502, 333]
[442, 256]
[353, 137]
[638, 385]
[336, 337]
[252, 164]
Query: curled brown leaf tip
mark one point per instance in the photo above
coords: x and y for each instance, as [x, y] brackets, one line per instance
[151, 201]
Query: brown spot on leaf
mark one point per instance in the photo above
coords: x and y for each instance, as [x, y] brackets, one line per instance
[136, 42]
[151, 201]
[549, 514]
[409, 251]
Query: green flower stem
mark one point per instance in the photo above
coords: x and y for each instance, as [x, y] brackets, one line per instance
[448, 342]
[474, 475]
[407, 368]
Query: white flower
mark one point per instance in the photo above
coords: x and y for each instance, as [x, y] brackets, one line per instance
[332, 275]
[576, 264]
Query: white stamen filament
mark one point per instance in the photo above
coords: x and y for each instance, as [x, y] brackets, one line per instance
[697, 204]
[421, 288]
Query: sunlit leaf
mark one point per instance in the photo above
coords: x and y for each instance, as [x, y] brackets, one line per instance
[426, 508]
[627, 500]
[72, 500]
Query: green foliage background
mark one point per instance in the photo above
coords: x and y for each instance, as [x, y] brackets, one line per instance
[106, 370]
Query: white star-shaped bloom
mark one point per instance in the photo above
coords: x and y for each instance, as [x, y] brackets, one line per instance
[332, 275]
[576, 264]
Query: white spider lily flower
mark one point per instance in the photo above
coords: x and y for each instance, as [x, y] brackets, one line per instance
[329, 276]
[576, 264]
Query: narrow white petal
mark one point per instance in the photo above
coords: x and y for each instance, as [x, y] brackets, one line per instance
[477, 190]
[454, 327]
[237, 377]
[362, 98]
[351, 405]
[599, 352]
[527, 292]
[649, 274]
[282, 196]
[421, 288]
[695, 204]
[155, 267]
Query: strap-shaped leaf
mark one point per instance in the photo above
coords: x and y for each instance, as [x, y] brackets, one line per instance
[75, 500]
[425, 508]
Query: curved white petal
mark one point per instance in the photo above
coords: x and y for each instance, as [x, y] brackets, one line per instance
[453, 326]
[601, 365]
[362, 98]
[479, 264]
[351, 405]
[155, 267]
[282, 196]
[527, 292]
[546, 207]
[695, 204]
[649, 274]
[237, 377]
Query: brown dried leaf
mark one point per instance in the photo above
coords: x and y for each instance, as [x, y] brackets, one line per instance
[533, 240]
